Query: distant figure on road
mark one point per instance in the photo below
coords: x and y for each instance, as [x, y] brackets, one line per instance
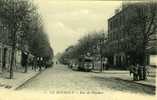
[104, 65]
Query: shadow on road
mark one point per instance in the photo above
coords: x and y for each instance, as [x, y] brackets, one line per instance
[122, 85]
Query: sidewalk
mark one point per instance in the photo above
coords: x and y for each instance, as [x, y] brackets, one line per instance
[19, 79]
[125, 76]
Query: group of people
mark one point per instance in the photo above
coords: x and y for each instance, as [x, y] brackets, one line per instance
[138, 71]
[38, 63]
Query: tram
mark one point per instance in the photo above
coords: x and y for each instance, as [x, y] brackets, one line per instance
[85, 64]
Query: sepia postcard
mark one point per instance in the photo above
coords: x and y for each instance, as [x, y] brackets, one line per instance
[78, 49]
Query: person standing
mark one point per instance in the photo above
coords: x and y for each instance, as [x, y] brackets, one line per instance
[24, 61]
[103, 65]
[131, 69]
[40, 63]
[135, 72]
[35, 63]
[140, 71]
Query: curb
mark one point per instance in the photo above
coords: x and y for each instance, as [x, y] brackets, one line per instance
[111, 72]
[27, 80]
[136, 82]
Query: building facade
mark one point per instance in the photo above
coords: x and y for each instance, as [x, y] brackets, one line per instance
[117, 44]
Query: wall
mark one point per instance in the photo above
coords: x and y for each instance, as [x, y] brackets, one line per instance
[153, 60]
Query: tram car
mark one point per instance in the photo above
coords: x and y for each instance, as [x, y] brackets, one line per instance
[85, 64]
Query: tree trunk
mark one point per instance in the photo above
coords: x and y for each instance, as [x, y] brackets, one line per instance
[12, 61]
[144, 69]
[4, 60]
[144, 63]
[13, 38]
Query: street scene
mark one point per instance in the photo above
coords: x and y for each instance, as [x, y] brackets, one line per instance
[62, 80]
[99, 48]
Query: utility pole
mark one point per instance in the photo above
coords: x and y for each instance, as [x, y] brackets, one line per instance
[102, 40]
[100, 53]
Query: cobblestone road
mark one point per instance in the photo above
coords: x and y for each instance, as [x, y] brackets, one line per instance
[62, 79]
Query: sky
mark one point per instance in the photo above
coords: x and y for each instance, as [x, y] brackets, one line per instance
[66, 22]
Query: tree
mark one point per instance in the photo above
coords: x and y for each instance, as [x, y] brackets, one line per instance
[24, 25]
[13, 13]
[144, 33]
[89, 44]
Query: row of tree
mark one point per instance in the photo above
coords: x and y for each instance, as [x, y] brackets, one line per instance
[23, 26]
[90, 44]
